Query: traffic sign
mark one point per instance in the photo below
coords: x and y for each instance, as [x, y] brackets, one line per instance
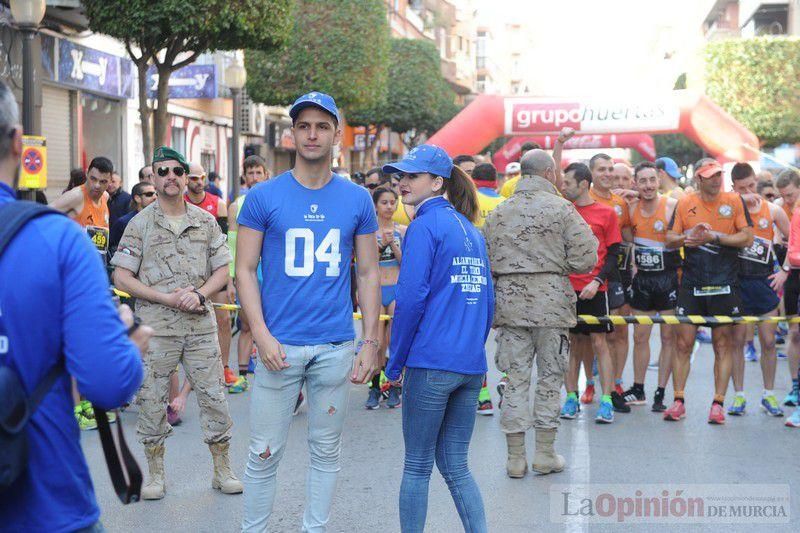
[33, 172]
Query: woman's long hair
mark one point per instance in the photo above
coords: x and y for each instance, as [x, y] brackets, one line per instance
[462, 194]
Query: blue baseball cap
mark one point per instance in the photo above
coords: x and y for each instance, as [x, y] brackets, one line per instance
[424, 158]
[668, 165]
[314, 99]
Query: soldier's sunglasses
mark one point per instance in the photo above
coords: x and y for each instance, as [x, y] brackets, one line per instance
[178, 171]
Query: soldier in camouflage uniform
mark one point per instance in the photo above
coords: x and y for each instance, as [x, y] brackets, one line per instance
[172, 258]
[535, 240]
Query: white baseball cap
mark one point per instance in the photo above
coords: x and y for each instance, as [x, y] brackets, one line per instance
[513, 168]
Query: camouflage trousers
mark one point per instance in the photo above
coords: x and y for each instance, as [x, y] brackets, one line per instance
[200, 356]
[516, 348]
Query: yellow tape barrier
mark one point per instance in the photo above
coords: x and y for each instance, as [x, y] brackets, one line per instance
[233, 307]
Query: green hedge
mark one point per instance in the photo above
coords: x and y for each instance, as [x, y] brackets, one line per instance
[758, 82]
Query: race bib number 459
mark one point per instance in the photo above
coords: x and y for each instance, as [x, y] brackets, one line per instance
[303, 254]
[99, 237]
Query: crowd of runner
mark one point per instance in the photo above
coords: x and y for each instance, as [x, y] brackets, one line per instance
[645, 267]
[657, 244]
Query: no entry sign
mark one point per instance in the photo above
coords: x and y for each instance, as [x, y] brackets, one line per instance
[33, 172]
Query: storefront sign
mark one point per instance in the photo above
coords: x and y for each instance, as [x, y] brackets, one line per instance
[33, 171]
[192, 81]
[90, 69]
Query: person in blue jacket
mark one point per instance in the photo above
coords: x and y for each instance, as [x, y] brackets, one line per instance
[57, 309]
[445, 303]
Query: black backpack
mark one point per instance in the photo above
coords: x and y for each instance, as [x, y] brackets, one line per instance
[17, 408]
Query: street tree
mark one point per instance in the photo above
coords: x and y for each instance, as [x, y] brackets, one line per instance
[339, 50]
[417, 101]
[755, 80]
[171, 34]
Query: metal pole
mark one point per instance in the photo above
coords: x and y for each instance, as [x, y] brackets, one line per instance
[28, 35]
[27, 80]
[237, 131]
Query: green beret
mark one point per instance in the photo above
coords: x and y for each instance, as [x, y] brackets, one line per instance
[165, 153]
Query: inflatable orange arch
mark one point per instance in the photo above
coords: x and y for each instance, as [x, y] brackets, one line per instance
[693, 114]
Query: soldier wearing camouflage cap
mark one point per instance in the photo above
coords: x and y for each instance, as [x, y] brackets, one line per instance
[535, 240]
[172, 258]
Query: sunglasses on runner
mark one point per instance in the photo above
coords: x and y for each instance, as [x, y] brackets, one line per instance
[149, 194]
[178, 171]
[373, 185]
[195, 178]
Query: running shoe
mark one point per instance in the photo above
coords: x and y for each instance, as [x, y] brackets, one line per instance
[675, 412]
[395, 400]
[658, 402]
[703, 336]
[588, 394]
[750, 353]
[299, 403]
[112, 416]
[792, 398]
[618, 389]
[484, 408]
[84, 422]
[230, 377]
[634, 396]
[770, 406]
[794, 420]
[652, 365]
[251, 365]
[571, 408]
[374, 399]
[605, 415]
[619, 403]
[241, 385]
[86, 408]
[172, 417]
[782, 355]
[716, 415]
[738, 407]
[782, 331]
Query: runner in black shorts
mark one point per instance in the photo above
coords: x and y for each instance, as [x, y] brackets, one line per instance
[655, 286]
[590, 289]
[758, 287]
[712, 225]
[788, 185]
[604, 176]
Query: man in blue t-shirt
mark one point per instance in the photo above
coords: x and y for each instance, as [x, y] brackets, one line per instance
[57, 310]
[304, 226]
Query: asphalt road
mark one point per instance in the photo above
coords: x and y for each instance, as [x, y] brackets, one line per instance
[639, 448]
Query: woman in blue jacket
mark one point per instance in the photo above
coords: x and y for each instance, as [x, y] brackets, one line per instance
[444, 308]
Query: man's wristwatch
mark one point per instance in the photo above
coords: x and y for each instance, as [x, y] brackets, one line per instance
[786, 268]
[202, 298]
[137, 322]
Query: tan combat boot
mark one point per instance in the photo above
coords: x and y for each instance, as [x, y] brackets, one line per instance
[155, 487]
[517, 464]
[224, 480]
[546, 460]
